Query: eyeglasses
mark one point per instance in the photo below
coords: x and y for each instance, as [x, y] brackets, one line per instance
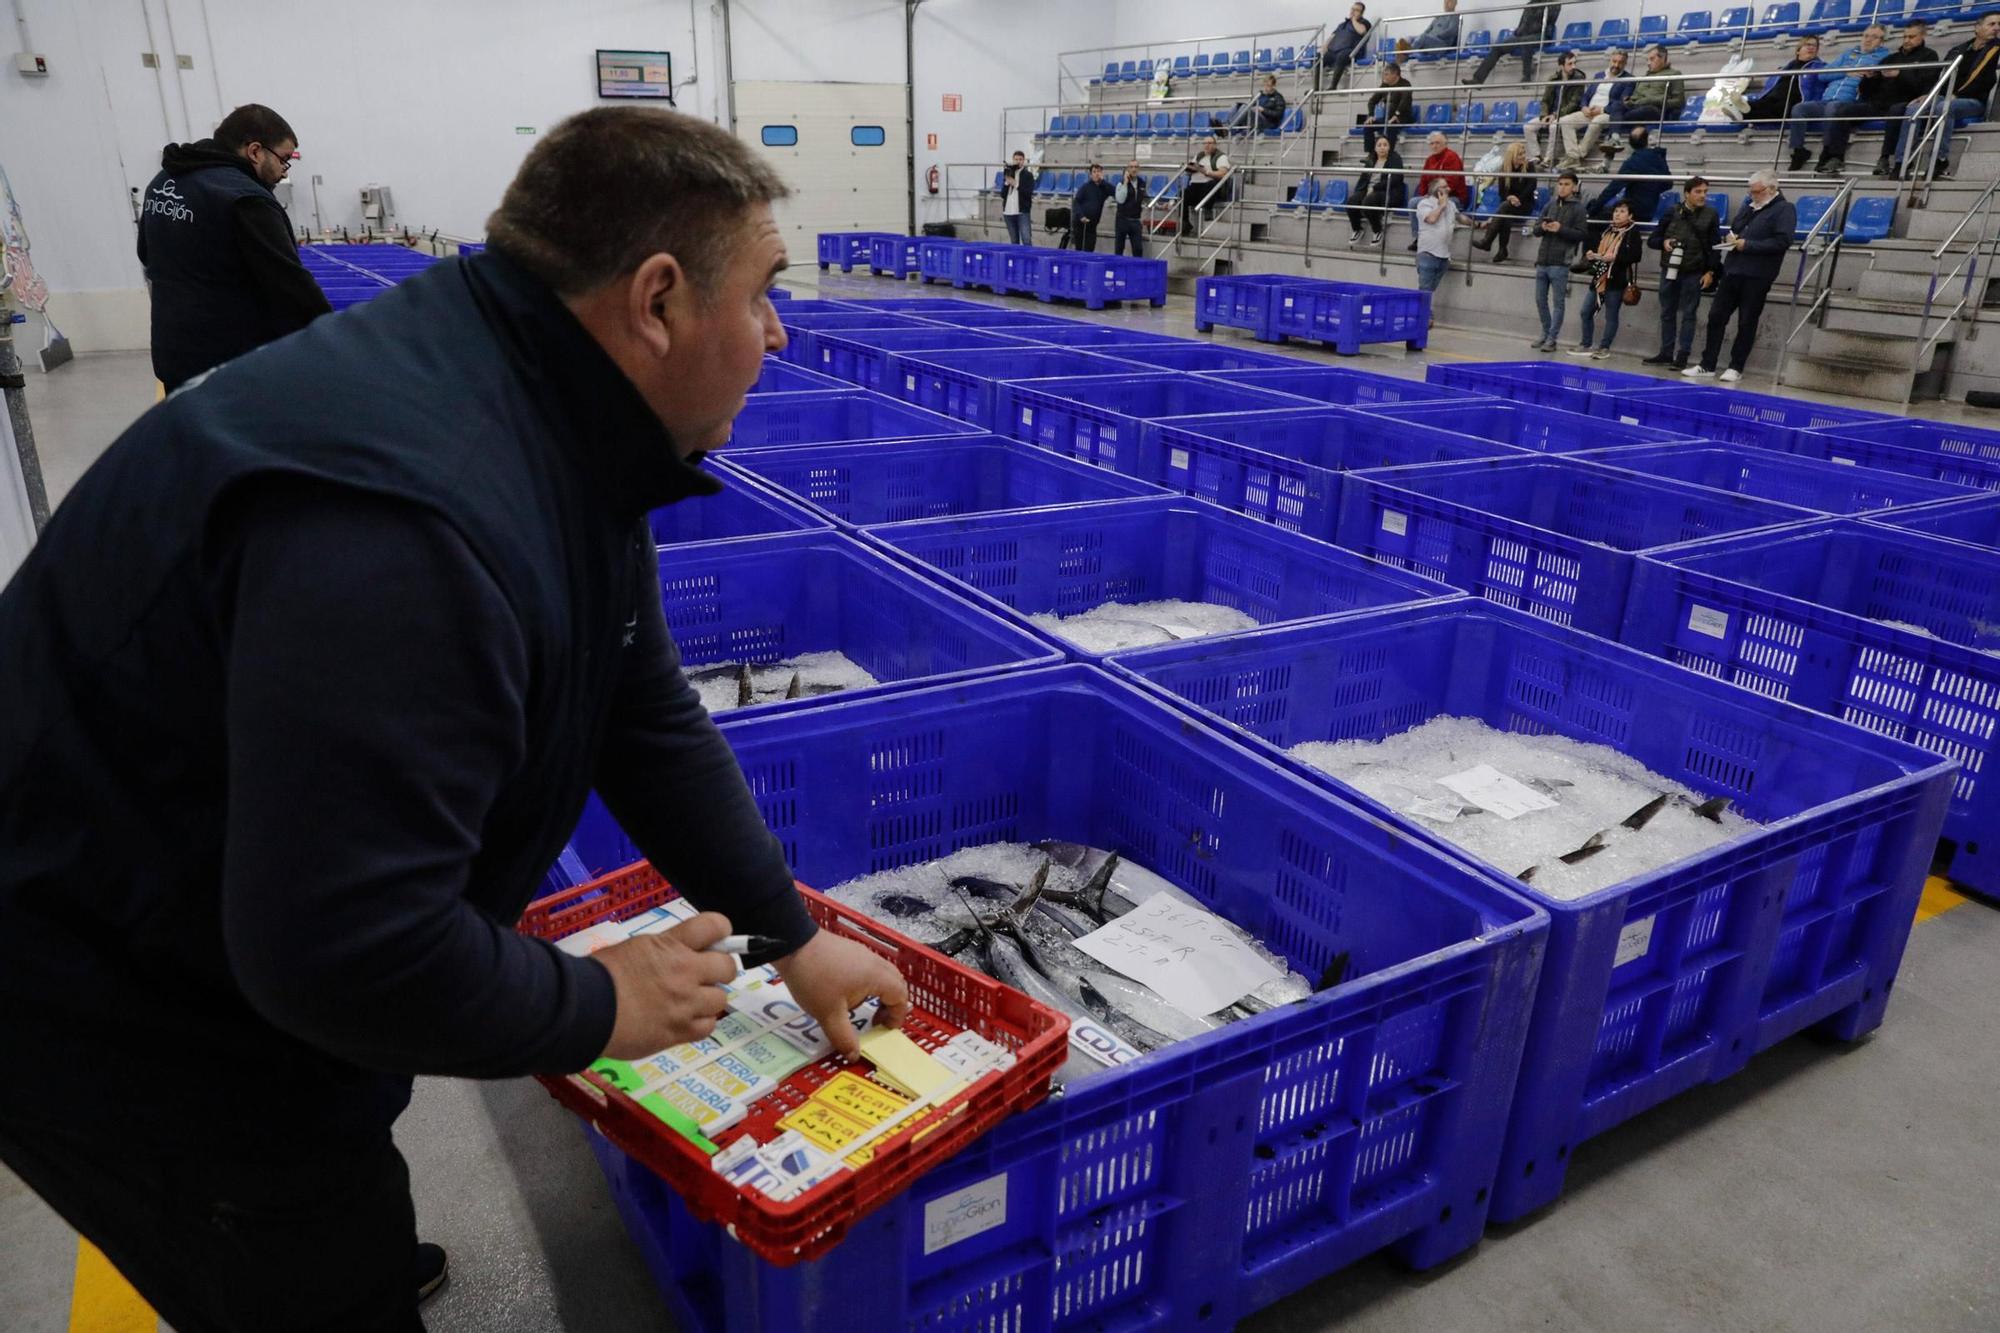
[284, 161]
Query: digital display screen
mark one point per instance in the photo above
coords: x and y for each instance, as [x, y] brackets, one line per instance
[642, 74]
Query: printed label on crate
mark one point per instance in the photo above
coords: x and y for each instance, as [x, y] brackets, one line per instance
[963, 1214]
[910, 383]
[1494, 792]
[861, 1099]
[1844, 462]
[1633, 942]
[1395, 524]
[1100, 1043]
[1191, 957]
[1707, 620]
[1027, 416]
[1178, 460]
[1628, 421]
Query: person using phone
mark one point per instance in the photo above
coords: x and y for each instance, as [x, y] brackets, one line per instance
[1017, 200]
[1129, 212]
[1208, 184]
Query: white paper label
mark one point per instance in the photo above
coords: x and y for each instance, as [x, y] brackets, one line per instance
[1435, 809]
[1395, 524]
[1191, 957]
[1707, 620]
[1629, 421]
[963, 1214]
[1633, 942]
[1178, 460]
[1027, 416]
[910, 383]
[1494, 792]
[1844, 462]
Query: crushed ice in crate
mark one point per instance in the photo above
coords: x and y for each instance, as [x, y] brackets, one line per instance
[936, 903]
[1117, 626]
[1594, 790]
[728, 685]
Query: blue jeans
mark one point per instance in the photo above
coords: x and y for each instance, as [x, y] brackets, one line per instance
[1021, 228]
[1551, 298]
[1679, 300]
[1611, 301]
[1961, 108]
[1430, 271]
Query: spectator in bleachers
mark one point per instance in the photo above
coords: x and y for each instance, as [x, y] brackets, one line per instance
[1659, 97]
[1017, 203]
[1881, 89]
[1971, 91]
[1558, 229]
[1630, 186]
[1441, 163]
[1759, 237]
[1839, 99]
[1603, 106]
[1265, 113]
[1341, 44]
[1562, 96]
[1687, 239]
[1792, 84]
[1515, 186]
[1398, 109]
[1129, 202]
[1532, 32]
[1613, 268]
[1437, 216]
[1208, 184]
[1441, 34]
[1379, 188]
[1086, 208]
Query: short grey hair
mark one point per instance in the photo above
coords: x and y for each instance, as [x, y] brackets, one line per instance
[608, 188]
[1765, 177]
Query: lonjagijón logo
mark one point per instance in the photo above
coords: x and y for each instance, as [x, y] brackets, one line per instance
[167, 202]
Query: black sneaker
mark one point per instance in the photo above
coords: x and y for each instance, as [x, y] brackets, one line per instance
[1885, 167]
[1800, 156]
[1660, 360]
[1677, 365]
[430, 1269]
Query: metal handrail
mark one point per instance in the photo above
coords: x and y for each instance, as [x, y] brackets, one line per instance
[1989, 240]
[1834, 222]
[1065, 76]
[1933, 137]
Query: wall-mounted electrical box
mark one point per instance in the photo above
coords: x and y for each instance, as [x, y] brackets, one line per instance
[32, 65]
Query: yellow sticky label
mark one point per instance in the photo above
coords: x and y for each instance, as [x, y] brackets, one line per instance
[867, 1102]
[900, 1061]
[821, 1124]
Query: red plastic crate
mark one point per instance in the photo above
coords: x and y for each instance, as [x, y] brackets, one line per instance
[946, 998]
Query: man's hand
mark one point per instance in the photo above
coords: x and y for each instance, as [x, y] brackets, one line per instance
[831, 975]
[1707, 281]
[1736, 242]
[668, 990]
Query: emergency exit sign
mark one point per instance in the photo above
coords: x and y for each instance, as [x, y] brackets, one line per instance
[930, 141]
[954, 102]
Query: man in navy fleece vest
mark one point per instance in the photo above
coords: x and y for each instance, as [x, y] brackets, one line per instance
[308, 679]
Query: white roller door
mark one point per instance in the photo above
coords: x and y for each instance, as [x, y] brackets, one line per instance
[842, 149]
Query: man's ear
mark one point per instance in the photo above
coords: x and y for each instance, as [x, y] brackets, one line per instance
[655, 296]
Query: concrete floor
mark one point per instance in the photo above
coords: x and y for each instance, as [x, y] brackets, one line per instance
[1823, 1189]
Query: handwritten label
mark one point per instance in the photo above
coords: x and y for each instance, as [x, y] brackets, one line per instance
[1707, 620]
[1634, 942]
[1435, 809]
[1494, 792]
[1395, 524]
[963, 1214]
[1191, 957]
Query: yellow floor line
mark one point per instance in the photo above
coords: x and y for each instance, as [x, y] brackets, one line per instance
[102, 1301]
[1939, 897]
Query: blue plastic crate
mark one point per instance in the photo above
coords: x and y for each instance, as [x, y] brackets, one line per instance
[1669, 979]
[834, 416]
[1817, 616]
[817, 306]
[921, 306]
[1101, 337]
[783, 377]
[1343, 387]
[1066, 561]
[744, 508]
[1961, 455]
[1219, 1174]
[861, 485]
[1809, 483]
[862, 355]
[1346, 315]
[965, 383]
[1975, 521]
[1198, 357]
[845, 249]
[1285, 467]
[895, 256]
[1241, 301]
[1730, 415]
[1555, 538]
[801, 331]
[981, 264]
[1101, 280]
[937, 259]
[1002, 319]
[1099, 420]
[1539, 430]
[1543, 383]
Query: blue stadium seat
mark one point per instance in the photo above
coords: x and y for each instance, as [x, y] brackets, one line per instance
[1242, 63]
[1124, 125]
[1183, 68]
[1889, 13]
[1504, 116]
[1477, 44]
[1687, 123]
[1201, 65]
[1574, 35]
[1090, 124]
[1693, 27]
[1288, 57]
[1293, 123]
[1735, 22]
[1177, 124]
[1308, 55]
[1438, 113]
[1612, 32]
[1475, 118]
[1720, 203]
[1652, 29]
[1779, 19]
[1488, 202]
[1869, 219]
[1828, 15]
[1810, 209]
[1265, 63]
[1304, 195]
[1543, 194]
[1333, 194]
[1174, 186]
[1110, 73]
[1128, 72]
[1144, 71]
[1669, 201]
[1360, 131]
[1364, 54]
[999, 182]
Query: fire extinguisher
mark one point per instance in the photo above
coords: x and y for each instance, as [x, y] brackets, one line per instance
[931, 180]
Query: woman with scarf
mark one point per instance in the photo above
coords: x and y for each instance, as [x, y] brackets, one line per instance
[1613, 266]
